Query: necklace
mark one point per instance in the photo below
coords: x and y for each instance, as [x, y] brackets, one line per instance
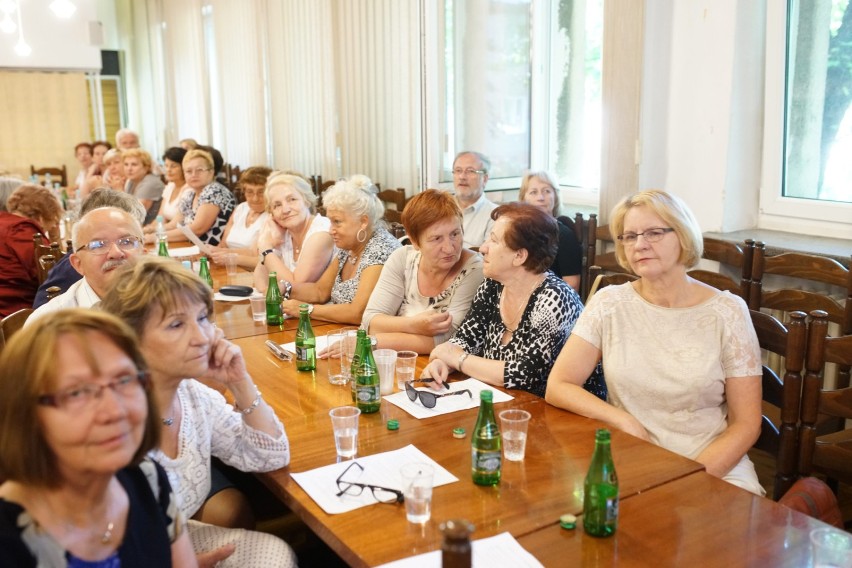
[107, 536]
[516, 317]
[168, 421]
[297, 250]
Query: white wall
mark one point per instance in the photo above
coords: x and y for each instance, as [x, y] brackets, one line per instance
[702, 107]
[61, 44]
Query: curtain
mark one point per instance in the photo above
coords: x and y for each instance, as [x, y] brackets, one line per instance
[44, 116]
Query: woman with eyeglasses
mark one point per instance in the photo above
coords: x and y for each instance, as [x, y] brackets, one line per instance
[425, 288]
[30, 209]
[681, 358]
[79, 489]
[170, 309]
[294, 241]
[521, 314]
[542, 190]
[363, 244]
[206, 208]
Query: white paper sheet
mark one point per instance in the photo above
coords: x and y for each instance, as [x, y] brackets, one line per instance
[184, 252]
[193, 238]
[220, 297]
[379, 469]
[446, 404]
[495, 551]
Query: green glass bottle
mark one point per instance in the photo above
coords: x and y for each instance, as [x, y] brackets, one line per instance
[353, 367]
[306, 342]
[204, 271]
[600, 499]
[485, 447]
[365, 375]
[274, 313]
[162, 239]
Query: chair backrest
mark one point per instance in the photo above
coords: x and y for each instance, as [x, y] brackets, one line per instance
[56, 174]
[781, 440]
[12, 323]
[395, 197]
[46, 256]
[806, 267]
[729, 254]
[602, 280]
[815, 401]
[597, 241]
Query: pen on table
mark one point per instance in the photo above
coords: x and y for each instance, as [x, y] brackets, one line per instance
[278, 351]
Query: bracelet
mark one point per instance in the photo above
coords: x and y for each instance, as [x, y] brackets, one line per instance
[462, 357]
[251, 408]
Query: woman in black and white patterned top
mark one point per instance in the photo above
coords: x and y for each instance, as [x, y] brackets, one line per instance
[521, 315]
[363, 244]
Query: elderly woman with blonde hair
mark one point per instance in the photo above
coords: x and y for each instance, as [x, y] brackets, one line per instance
[542, 190]
[681, 358]
[294, 241]
[364, 245]
[207, 208]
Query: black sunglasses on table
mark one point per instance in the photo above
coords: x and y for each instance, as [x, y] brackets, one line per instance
[429, 399]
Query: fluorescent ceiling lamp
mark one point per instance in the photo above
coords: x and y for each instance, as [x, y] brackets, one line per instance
[63, 8]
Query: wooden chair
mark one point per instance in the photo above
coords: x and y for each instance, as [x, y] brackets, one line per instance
[781, 397]
[395, 197]
[56, 174]
[602, 280]
[46, 256]
[807, 267]
[12, 323]
[600, 253]
[830, 454]
[730, 254]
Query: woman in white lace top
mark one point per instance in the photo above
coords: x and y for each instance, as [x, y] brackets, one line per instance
[681, 359]
[170, 308]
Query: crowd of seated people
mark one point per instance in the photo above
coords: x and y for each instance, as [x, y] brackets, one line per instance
[485, 289]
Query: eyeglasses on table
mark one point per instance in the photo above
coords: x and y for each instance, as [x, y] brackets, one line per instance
[353, 488]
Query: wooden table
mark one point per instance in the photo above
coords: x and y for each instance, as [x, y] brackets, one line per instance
[697, 520]
[532, 495]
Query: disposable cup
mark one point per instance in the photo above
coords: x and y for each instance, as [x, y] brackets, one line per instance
[338, 372]
[258, 307]
[513, 427]
[831, 548]
[417, 489]
[406, 364]
[386, 361]
[344, 421]
[231, 263]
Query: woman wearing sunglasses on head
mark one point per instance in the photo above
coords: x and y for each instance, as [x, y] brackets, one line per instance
[521, 314]
[79, 490]
[681, 358]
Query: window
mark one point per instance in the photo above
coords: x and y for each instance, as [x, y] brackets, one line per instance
[807, 171]
[520, 81]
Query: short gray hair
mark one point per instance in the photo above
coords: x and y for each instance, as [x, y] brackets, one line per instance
[486, 163]
[357, 195]
[122, 133]
[106, 197]
[298, 183]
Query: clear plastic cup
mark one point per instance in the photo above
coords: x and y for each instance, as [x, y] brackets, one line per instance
[344, 421]
[406, 365]
[386, 361]
[513, 428]
[258, 307]
[417, 489]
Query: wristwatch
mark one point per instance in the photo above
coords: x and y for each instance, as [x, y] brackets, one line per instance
[310, 309]
[264, 253]
[286, 288]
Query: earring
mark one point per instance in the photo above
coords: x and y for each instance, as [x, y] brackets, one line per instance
[358, 236]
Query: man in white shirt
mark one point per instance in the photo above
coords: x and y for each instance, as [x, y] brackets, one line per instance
[470, 174]
[104, 239]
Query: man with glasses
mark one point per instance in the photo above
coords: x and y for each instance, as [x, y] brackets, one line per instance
[104, 239]
[470, 174]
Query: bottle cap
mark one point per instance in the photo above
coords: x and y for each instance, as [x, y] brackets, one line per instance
[568, 521]
[458, 432]
[393, 424]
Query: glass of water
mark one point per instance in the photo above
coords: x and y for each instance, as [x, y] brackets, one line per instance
[344, 421]
[513, 426]
[406, 364]
[417, 488]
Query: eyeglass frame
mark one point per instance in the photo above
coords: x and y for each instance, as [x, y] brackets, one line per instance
[107, 244]
[468, 171]
[424, 395]
[59, 399]
[400, 498]
[630, 239]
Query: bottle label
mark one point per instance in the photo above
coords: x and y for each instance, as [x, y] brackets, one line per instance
[302, 353]
[486, 462]
[368, 393]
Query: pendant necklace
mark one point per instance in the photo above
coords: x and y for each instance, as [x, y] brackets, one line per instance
[298, 250]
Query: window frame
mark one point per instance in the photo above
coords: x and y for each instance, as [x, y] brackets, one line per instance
[792, 214]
